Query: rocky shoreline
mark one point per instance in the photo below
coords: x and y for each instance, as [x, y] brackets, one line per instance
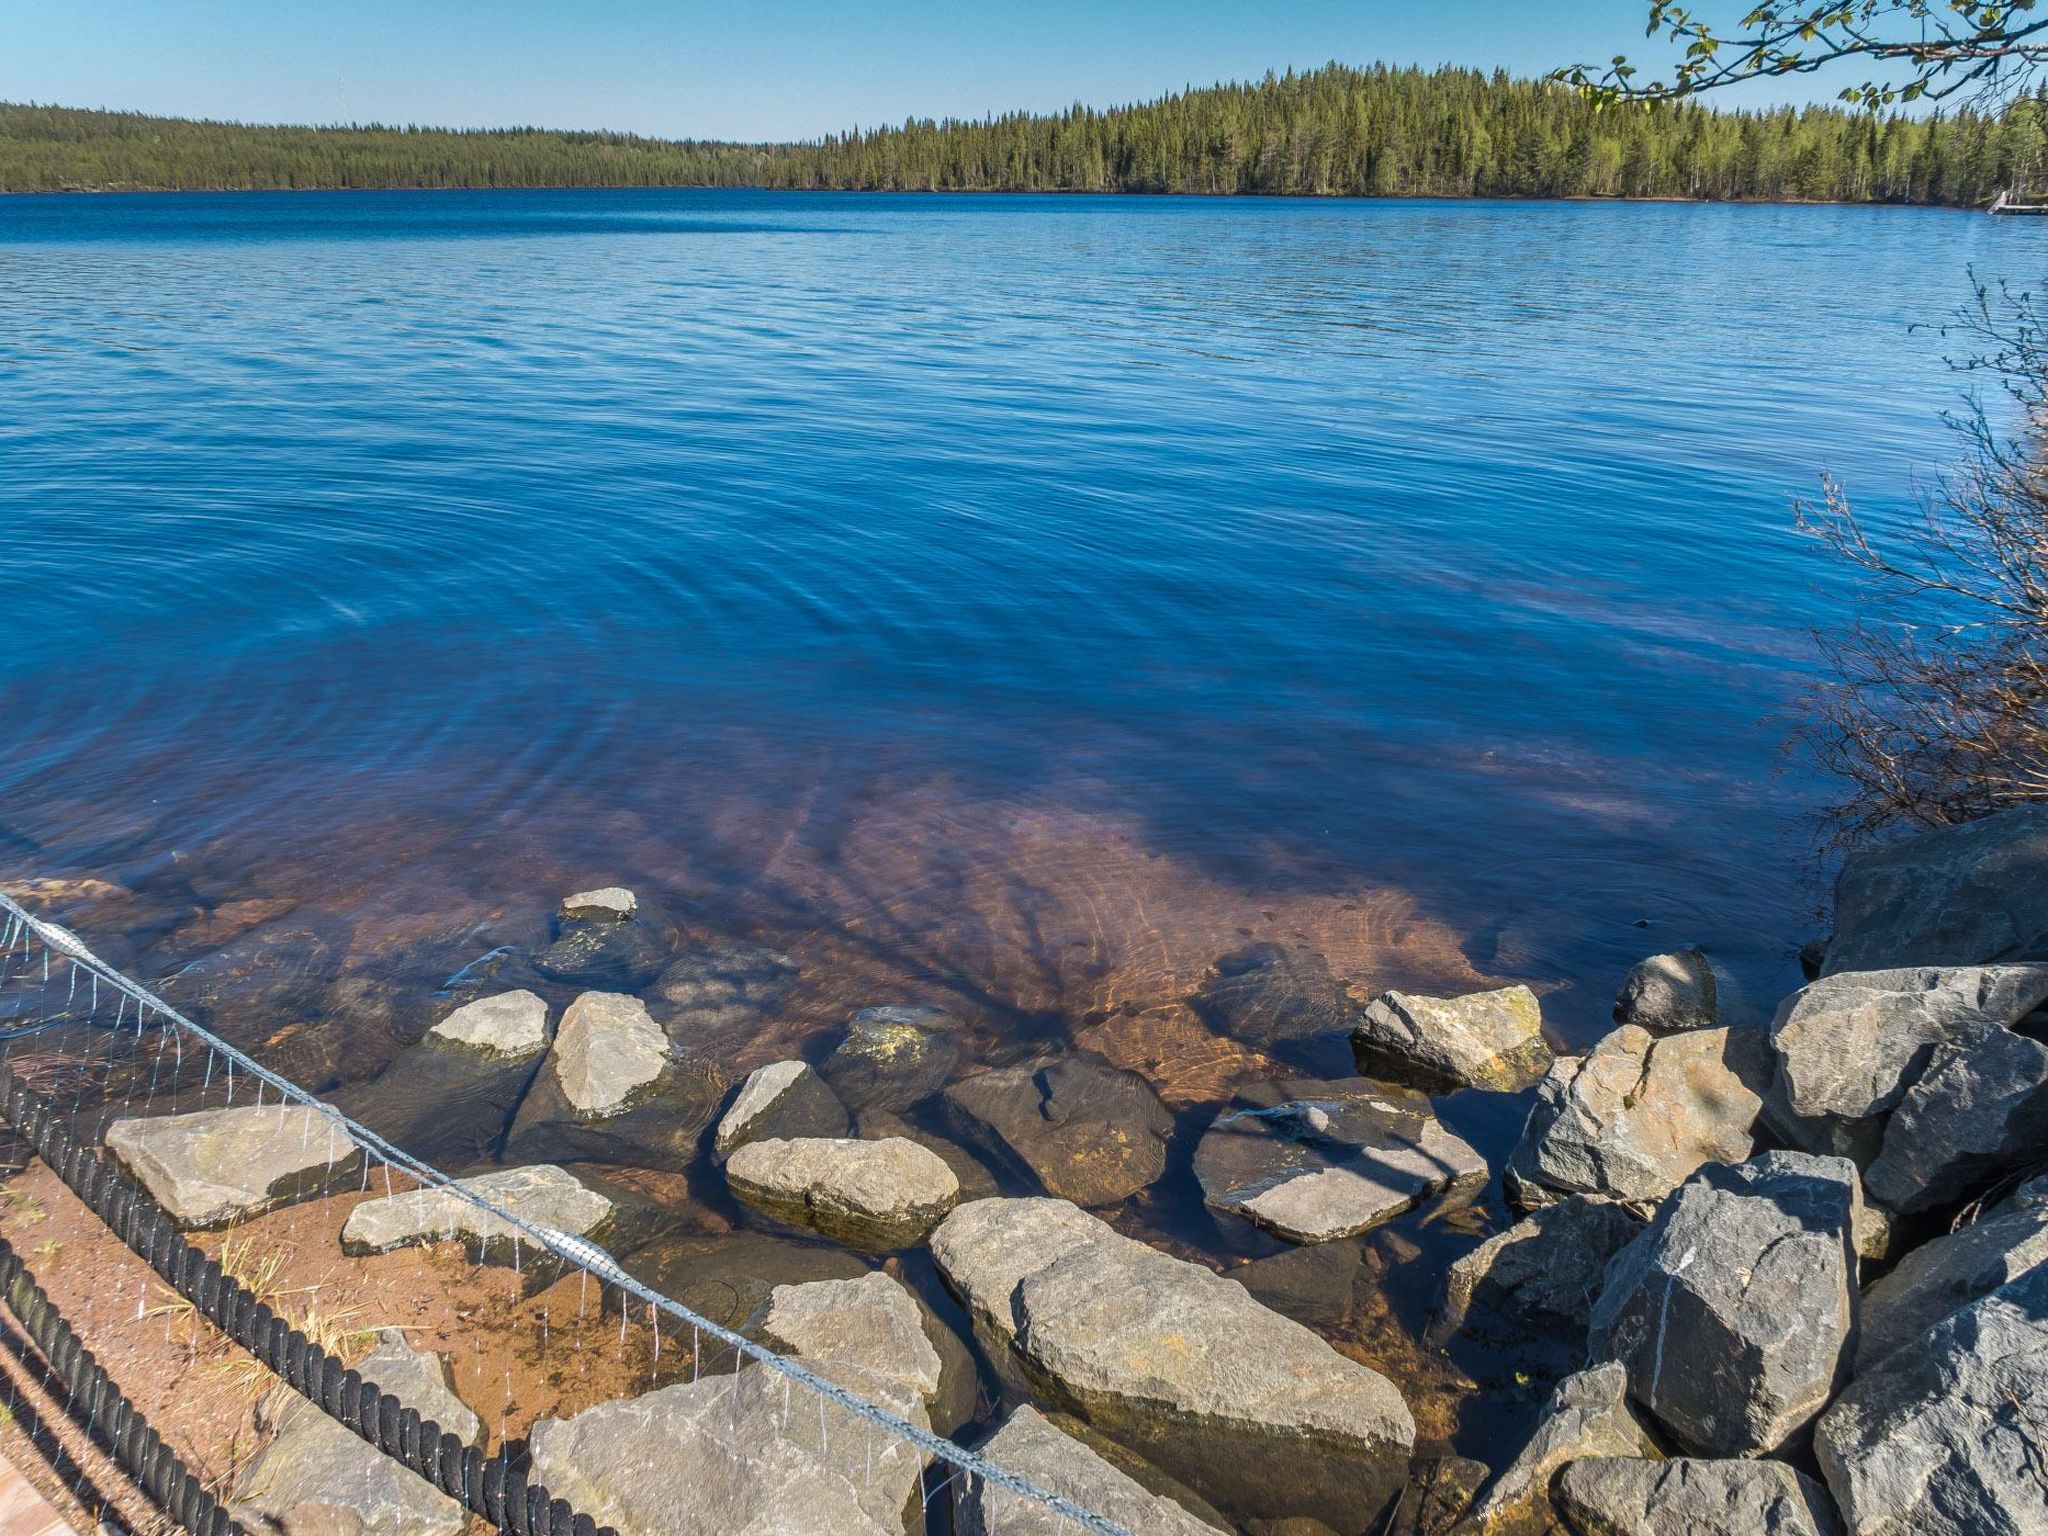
[1789, 1273]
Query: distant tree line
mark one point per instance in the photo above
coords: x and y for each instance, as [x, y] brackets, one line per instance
[1333, 131]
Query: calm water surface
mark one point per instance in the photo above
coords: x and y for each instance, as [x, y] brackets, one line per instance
[1015, 602]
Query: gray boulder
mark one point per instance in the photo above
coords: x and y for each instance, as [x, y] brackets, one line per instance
[893, 1056]
[873, 1195]
[1270, 995]
[1667, 993]
[1610, 1496]
[1079, 1128]
[1541, 1276]
[784, 1099]
[1944, 1436]
[542, 1196]
[1313, 1160]
[1030, 1446]
[1968, 895]
[316, 1474]
[217, 1166]
[1481, 1040]
[1253, 1411]
[1735, 1309]
[1588, 1415]
[1848, 1047]
[1979, 1111]
[752, 1454]
[1634, 1118]
[1937, 1278]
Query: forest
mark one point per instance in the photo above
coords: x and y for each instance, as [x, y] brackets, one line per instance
[1335, 131]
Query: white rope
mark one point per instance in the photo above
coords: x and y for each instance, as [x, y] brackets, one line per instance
[576, 1251]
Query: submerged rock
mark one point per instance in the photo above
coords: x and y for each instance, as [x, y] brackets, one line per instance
[1668, 993]
[783, 1100]
[1481, 1040]
[724, 987]
[216, 1166]
[1849, 1046]
[1735, 1309]
[1313, 1160]
[1030, 1446]
[1082, 1129]
[893, 1056]
[1940, 1277]
[1252, 1411]
[621, 953]
[541, 1196]
[868, 1194]
[1439, 1493]
[1973, 894]
[1637, 1116]
[318, 1475]
[1267, 995]
[1588, 1415]
[1610, 1496]
[727, 1276]
[1541, 1276]
[1979, 1111]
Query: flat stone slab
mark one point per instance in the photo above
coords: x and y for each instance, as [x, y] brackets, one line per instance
[511, 1026]
[543, 1195]
[868, 1194]
[1619, 1496]
[216, 1166]
[608, 1049]
[1034, 1449]
[606, 904]
[1083, 1130]
[1480, 1040]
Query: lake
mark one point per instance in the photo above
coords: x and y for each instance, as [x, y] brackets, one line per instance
[1012, 603]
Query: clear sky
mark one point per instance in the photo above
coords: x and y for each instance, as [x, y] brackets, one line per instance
[759, 69]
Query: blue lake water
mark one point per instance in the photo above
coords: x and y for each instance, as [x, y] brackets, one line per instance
[1013, 603]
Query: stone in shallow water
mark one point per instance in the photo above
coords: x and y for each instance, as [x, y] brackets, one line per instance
[607, 904]
[511, 1025]
[1030, 1446]
[783, 1100]
[1480, 1040]
[1252, 1411]
[608, 1050]
[216, 1166]
[1312, 1160]
[543, 1196]
[867, 1194]
[1588, 1415]
[727, 1276]
[893, 1056]
[1542, 1275]
[609, 952]
[1734, 1310]
[1670, 992]
[1269, 995]
[1082, 1129]
[1619, 1496]
[723, 986]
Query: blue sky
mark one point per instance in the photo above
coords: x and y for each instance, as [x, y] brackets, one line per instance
[769, 69]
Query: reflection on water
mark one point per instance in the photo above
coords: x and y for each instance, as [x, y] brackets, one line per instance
[1011, 604]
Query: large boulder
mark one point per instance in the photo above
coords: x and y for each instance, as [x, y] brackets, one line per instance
[893, 1056]
[615, 1089]
[1967, 895]
[1052, 1461]
[1680, 990]
[1735, 1309]
[1253, 1411]
[318, 1475]
[1944, 1437]
[1588, 1415]
[1979, 1111]
[1313, 1160]
[784, 1099]
[752, 1454]
[1937, 1278]
[1480, 1040]
[1079, 1128]
[1542, 1276]
[541, 1196]
[1848, 1047]
[1634, 1118]
[873, 1195]
[1620, 1496]
[216, 1166]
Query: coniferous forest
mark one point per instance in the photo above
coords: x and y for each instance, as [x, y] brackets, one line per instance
[1333, 131]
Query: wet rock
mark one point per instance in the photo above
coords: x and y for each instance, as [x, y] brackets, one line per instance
[1030, 1446]
[784, 1100]
[868, 1194]
[542, 1196]
[724, 987]
[1541, 1276]
[1316, 1286]
[893, 1056]
[1668, 993]
[728, 1276]
[1481, 1040]
[735, 1459]
[1180, 1365]
[245, 989]
[318, 1475]
[1618, 1496]
[1980, 1110]
[1439, 1493]
[1588, 1415]
[1949, 1273]
[1973, 894]
[608, 904]
[1082, 1129]
[1735, 1309]
[217, 1166]
[1847, 1048]
[1638, 1115]
[619, 955]
[1267, 995]
[1313, 1160]
[615, 1089]
[976, 1182]
[1943, 1437]
[511, 1026]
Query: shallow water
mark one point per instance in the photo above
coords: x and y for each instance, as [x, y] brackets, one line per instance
[1015, 603]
